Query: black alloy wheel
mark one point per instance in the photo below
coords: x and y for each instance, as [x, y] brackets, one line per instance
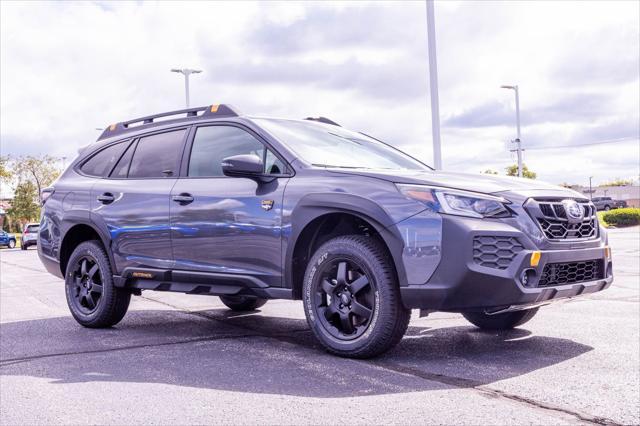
[352, 299]
[93, 299]
[87, 291]
[344, 298]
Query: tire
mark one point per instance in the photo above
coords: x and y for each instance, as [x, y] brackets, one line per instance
[359, 313]
[505, 321]
[92, 298]
[607, 208]
[242, 303]
[12, 244]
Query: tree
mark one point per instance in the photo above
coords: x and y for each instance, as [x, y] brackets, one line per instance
[526, 173]
[40, 170]
[25, 207]
[5, 174]
[490, 172]
[569, 185]
[618, 182]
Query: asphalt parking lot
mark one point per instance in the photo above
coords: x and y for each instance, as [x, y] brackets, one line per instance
[187, 359]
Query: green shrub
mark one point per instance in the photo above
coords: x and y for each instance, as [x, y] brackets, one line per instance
[621, 217]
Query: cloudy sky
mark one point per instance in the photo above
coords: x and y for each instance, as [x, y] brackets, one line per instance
[70, 67]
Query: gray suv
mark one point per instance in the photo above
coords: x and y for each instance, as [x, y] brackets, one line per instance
[207, 201]
[607, 203]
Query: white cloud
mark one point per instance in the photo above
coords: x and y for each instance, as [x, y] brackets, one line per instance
[69, 67]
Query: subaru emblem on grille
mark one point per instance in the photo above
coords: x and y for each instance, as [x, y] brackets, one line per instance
[575, 213]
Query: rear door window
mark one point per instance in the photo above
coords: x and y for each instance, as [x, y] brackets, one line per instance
[100, 164]
[158, 155]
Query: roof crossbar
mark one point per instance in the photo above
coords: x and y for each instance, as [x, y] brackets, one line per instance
[211, 111]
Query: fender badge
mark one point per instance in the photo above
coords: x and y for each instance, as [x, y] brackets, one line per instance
[267, 205]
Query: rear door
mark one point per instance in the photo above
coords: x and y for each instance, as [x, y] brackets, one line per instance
[133, 201]
[226, 224]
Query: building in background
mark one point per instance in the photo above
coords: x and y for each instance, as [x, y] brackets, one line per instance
[629, 193]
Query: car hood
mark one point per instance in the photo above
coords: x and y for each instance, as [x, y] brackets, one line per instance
[485, 183]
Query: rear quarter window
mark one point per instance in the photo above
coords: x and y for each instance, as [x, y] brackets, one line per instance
[101, 163]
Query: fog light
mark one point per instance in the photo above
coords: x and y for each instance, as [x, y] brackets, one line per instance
[526, 276]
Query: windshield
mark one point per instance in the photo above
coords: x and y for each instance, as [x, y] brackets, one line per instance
[326, 145]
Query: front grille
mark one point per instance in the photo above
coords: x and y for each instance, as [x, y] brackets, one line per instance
[571, 272]
[495, 252]
[556, 225]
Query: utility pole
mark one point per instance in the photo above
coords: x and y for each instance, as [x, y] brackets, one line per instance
[590, 190]
[186, 72]
[433, 86]
[517, 141]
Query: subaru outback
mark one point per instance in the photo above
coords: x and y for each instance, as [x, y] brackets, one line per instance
[208, 201]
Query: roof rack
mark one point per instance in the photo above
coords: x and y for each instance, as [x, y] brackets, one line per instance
[323, 120]
[211, 111]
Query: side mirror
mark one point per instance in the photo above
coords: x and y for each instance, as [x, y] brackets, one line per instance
[246, 165]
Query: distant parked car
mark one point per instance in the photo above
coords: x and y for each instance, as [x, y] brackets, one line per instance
[7, 240]
[29, 235]
[620, 204]
[604, 203]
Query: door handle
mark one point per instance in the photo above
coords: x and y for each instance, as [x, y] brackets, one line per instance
[183, 198]
[106, 198]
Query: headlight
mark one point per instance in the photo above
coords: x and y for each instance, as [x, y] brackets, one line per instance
[461, 203]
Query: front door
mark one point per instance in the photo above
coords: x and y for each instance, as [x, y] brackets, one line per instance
[228, 224]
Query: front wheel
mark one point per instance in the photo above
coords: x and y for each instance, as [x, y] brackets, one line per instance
[351, 298]
[93, 300]
[12, 244]
[503, 321]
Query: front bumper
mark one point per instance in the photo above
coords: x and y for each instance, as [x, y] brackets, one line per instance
[461, 284]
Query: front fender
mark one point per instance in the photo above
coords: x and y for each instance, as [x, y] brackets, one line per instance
[315, 205]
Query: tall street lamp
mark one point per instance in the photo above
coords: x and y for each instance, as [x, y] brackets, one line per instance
[433, 86]
[186, 72]
[518, 143]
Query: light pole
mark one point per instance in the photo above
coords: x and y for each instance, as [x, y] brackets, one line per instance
[590, 190]
[518, 142]
[433, 86]
[186, 72]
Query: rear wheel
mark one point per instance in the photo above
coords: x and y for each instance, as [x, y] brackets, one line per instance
[12, 243]
[92, 298]
[503, 321]
[607, 208]
[351, 298]
[242, 303]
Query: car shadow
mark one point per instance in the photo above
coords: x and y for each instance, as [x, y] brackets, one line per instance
[255, 353]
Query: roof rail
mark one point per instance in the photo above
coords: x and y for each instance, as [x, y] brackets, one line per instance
[211, 111]
[323, 120]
